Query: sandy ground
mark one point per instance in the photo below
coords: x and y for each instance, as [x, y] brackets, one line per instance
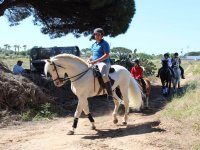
[143, 132]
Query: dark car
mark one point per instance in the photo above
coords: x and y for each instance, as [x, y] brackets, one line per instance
[39, 55]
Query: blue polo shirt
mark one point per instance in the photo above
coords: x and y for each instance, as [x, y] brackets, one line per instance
[17, 69]
[99, 49]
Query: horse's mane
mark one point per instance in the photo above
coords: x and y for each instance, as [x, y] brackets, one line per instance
[165, 63]
[71, 57]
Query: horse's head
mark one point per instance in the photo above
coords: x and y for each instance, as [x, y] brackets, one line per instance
[56, 72]
[165, 63]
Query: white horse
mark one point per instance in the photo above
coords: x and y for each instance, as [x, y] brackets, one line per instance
[177, 77]
[82, 84]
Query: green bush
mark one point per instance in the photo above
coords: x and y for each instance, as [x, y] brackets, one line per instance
[26, 116]
[44, 112]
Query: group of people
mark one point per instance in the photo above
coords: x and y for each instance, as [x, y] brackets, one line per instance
[172, 62]
[137, 71]
[100, 57]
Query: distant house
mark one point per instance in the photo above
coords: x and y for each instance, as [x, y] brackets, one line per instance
[191, 57]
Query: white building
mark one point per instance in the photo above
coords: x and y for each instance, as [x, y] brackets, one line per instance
[191, 58]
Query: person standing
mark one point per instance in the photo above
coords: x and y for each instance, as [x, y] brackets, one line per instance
[18, 69]
[100, 57]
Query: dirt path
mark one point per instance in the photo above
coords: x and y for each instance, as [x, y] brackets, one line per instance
[143, 132]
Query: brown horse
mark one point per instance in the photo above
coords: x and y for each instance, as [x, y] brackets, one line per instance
[146, 93]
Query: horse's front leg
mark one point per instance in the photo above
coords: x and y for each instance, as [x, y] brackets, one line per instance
[82, 106]
[87, 113]
[77, 114]
[116, 101]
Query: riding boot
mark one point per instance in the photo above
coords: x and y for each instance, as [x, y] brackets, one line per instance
[182, 72]
[109, 90]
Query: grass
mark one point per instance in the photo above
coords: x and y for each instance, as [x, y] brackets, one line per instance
[185, 109]
[11, 60]
[197, 147]
[181, 115]
[43, 112]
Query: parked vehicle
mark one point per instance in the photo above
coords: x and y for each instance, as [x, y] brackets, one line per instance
[39, 55]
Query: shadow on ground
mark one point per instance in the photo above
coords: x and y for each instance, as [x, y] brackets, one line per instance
[99, 105]
[136, 129]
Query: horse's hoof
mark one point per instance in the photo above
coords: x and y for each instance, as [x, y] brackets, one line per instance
[124, 123]
[115, 121]
[93, 127]
[70, 133]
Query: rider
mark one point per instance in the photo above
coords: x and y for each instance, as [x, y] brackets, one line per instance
[137, 73]
[166, 57]
[176, 61]
[100, 57]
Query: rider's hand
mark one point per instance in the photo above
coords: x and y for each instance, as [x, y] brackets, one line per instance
[92, 62]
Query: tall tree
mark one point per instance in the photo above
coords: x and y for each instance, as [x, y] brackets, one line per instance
[15, 46]
[120, 53]
[87, 52]
[18, 47]
[9, 47]
[61, 17]
[5, 47]
[24, 46]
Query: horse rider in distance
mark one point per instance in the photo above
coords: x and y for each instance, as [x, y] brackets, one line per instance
[137, 73]
[168, 59]
[176, 61]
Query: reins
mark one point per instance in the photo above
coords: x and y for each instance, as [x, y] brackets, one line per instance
[68, 78]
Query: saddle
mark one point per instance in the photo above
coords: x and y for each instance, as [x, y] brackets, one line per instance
[97, 74]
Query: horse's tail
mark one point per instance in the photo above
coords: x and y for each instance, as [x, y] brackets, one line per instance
[135, 94]
[148, 85]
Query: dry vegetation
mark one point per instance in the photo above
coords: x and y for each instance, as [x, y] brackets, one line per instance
[181, 115]
[23, 97]
[180, 121]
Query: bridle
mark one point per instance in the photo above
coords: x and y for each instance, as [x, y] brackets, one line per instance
[68, 78]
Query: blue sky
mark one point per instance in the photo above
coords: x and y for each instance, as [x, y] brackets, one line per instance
[158, 26]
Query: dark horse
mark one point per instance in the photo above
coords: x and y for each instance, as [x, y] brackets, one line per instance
[166, 78]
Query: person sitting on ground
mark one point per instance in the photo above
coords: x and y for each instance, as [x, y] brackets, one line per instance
[18, 69]
[176, 61]
[168, 59]
[137, 73]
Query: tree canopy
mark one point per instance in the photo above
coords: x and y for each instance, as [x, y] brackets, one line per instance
[60, 17]
[193, 53]
[126, 57]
